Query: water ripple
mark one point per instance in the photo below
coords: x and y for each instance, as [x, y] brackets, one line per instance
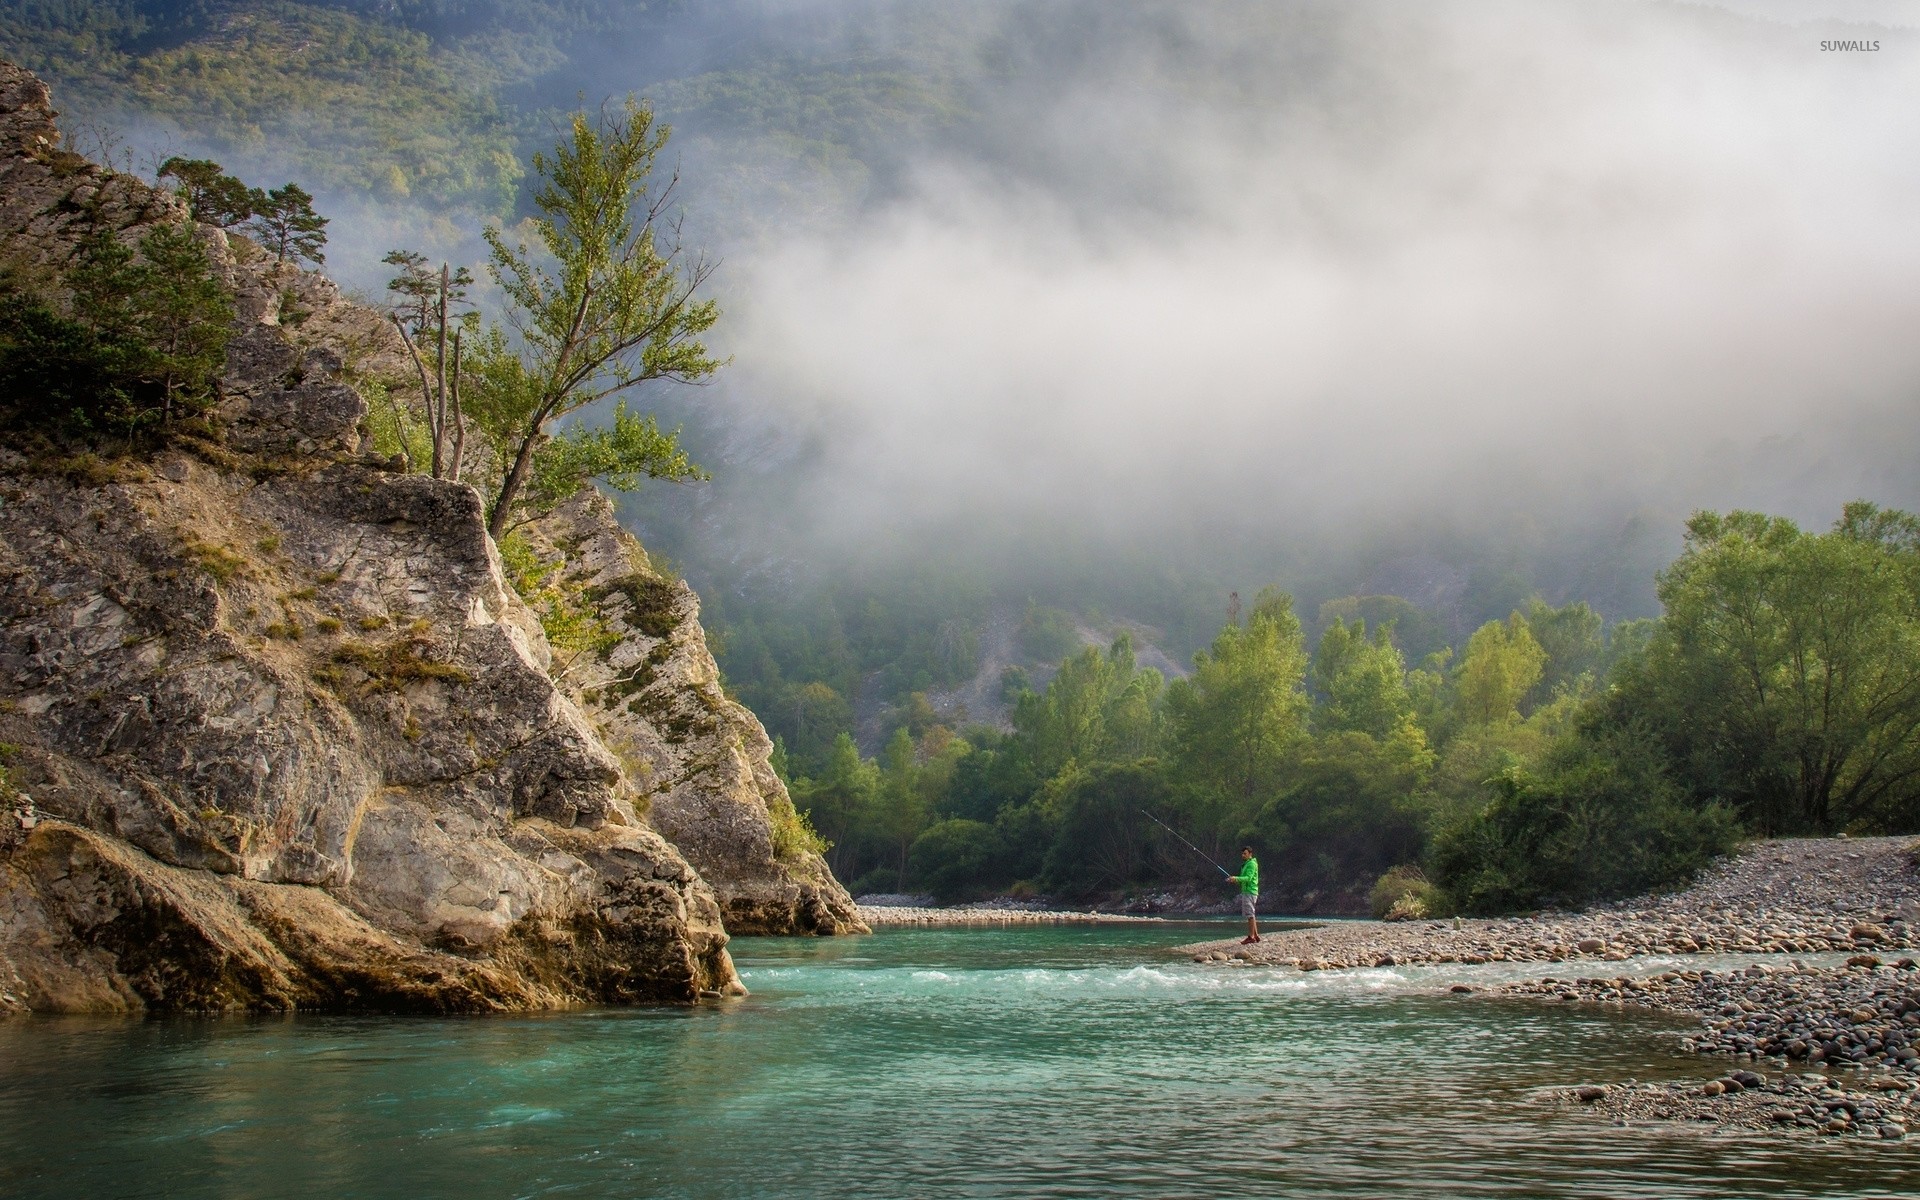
[1024, 1062]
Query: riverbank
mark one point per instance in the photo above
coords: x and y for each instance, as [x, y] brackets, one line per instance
[1865, 1015]
[1790, 1024]
[1798, 896]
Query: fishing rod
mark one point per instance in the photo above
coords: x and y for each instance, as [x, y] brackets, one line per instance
[1184, 842]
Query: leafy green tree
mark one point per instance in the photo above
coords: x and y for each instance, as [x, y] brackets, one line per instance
[902, 808]
[284, 221]
[1346, 814]
[1415, 631]
[1628, 641]
[840, 800]
[1237, 720]
[1102, 840]
[1786, 674]
[815, 713]
[608, 305]
[1429, 692]
[1601, 816]
[1571, 637]
[1135, 719]
[1097, 706]
[952, 858]
[1502, 663]
[917, 717]
[628, 449]
[1030, 827]
[1362, 679]
[1475, 754]
[997, 774]
[214, 197]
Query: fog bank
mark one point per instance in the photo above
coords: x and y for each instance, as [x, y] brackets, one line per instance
[1356, 263]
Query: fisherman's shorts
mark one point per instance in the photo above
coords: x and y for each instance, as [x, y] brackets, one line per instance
[1247, 900]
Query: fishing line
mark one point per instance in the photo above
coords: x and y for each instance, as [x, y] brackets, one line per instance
[1184, 842]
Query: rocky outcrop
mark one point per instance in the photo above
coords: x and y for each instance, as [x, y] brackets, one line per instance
[51, 199]
[701, 760]
[317, 681]
[278, 734]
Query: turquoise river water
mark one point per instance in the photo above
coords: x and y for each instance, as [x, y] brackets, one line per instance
[1034, 1061]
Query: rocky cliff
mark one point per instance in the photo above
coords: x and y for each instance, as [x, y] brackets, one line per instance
[279, 733]
[701, 761]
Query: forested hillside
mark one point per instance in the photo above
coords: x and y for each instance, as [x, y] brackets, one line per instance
[1551, 761]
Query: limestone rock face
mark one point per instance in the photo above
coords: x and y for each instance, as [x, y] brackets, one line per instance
[700, 759]
[51, 199]
[315, 682]
[278, 733]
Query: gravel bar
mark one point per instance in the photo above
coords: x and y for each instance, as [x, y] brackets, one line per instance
[1883, 1107]
[1863, 1015]
[1801, 896]
[1827, 1049]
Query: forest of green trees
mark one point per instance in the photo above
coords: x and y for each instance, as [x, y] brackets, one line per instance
[347, 103]
[437, 105]
[1552, 761]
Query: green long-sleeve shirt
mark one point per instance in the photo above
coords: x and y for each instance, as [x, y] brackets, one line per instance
[1249, 877]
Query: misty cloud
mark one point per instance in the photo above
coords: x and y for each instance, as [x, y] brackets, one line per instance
[1344, 262]
[1246, 285]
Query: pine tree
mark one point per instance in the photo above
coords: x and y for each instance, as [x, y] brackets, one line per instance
[284, 221]
[185, 315]
[214, 197]
[137, 339]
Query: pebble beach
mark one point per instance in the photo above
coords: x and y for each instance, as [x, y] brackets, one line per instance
[1800, 896]
[1821, 1030]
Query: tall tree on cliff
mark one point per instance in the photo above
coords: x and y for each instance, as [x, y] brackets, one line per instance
[609, 305]
[285, 223]
[427, 317]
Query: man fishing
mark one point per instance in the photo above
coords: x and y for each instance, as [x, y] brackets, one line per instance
[1249, 881]
[1248, 878]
